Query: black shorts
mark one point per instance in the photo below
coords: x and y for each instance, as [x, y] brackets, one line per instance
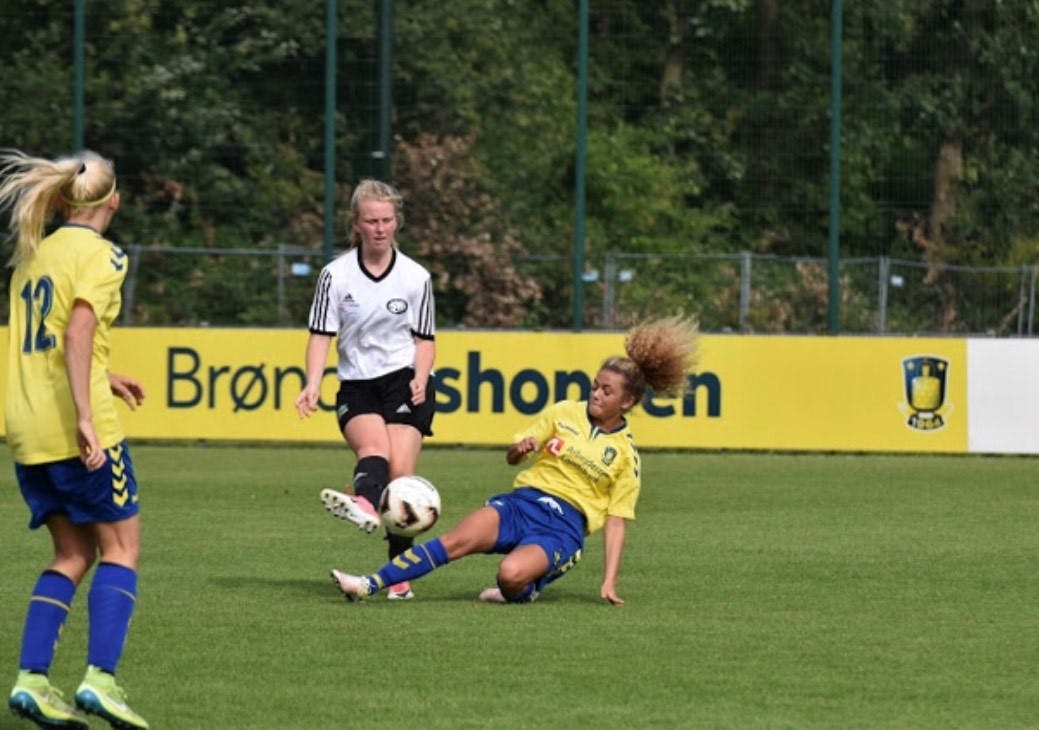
[389, 396]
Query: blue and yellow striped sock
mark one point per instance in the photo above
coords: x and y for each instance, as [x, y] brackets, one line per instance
[48, 609]
[113, 594]
[413, 563]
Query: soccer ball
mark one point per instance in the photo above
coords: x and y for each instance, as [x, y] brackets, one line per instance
[409, 505]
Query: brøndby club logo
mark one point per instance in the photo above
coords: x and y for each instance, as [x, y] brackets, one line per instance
[925, 377]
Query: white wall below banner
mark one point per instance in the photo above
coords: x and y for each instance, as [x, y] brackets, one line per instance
[1003, 396]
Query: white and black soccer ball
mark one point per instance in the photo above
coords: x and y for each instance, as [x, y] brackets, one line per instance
[409, 505]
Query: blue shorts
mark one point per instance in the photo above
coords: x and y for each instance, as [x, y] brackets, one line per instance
[66, 487]
[529, 516]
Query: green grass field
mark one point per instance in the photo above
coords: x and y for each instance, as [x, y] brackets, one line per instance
[763, 591]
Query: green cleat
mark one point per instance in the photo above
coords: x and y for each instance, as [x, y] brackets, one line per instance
[99, 695]
[35, 699]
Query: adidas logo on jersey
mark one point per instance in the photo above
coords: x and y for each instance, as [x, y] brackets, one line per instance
[404, 408]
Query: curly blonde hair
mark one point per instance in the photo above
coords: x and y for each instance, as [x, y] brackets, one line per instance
[660, 354]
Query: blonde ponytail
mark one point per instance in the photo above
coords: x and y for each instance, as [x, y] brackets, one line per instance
[34, 187]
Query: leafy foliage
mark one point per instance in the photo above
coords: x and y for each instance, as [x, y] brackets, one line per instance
[708, 133]
[460, 233]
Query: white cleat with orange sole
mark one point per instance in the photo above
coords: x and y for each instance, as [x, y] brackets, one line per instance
[357, 510]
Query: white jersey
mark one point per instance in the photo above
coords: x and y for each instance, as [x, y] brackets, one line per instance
[375, 319]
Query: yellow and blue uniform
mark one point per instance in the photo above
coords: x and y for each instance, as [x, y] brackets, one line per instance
[596, 471]
[581, 475]
[72, 263]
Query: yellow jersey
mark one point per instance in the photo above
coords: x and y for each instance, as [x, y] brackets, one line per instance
[596, 471]
[72, 263]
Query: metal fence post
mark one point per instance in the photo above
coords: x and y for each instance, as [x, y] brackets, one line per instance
[883, 277]
[79, 23]
[1031, 299]
[331, 62]
[609, 290]
[1022, 297]
[283, 313]
[580, 163]
[130, 284]
[745, 261]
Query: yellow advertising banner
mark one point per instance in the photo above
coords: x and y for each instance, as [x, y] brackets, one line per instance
[749, 392]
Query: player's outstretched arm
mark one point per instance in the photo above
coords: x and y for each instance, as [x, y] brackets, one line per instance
[613, 541]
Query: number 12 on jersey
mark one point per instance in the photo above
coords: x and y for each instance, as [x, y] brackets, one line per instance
[39, 299]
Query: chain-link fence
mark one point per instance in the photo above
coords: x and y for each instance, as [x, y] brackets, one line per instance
[742, 292]
[789, 295]
[173, 285]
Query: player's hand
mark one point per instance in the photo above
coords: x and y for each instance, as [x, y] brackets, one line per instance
[418, 392]
[609, 593]
[126, 388]
[527, 445]
[90, 451]
[306, 402]
[520, 449]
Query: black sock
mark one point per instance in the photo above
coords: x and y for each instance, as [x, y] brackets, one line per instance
[398, 544]
[370, 477]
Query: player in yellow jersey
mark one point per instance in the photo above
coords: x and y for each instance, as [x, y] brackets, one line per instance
[71, 461]
[586, 477]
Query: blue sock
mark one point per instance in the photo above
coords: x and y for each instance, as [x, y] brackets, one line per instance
[413, 563]
[48, 608]
[110, 603]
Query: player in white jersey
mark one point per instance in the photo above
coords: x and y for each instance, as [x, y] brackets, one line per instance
[377, 303]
